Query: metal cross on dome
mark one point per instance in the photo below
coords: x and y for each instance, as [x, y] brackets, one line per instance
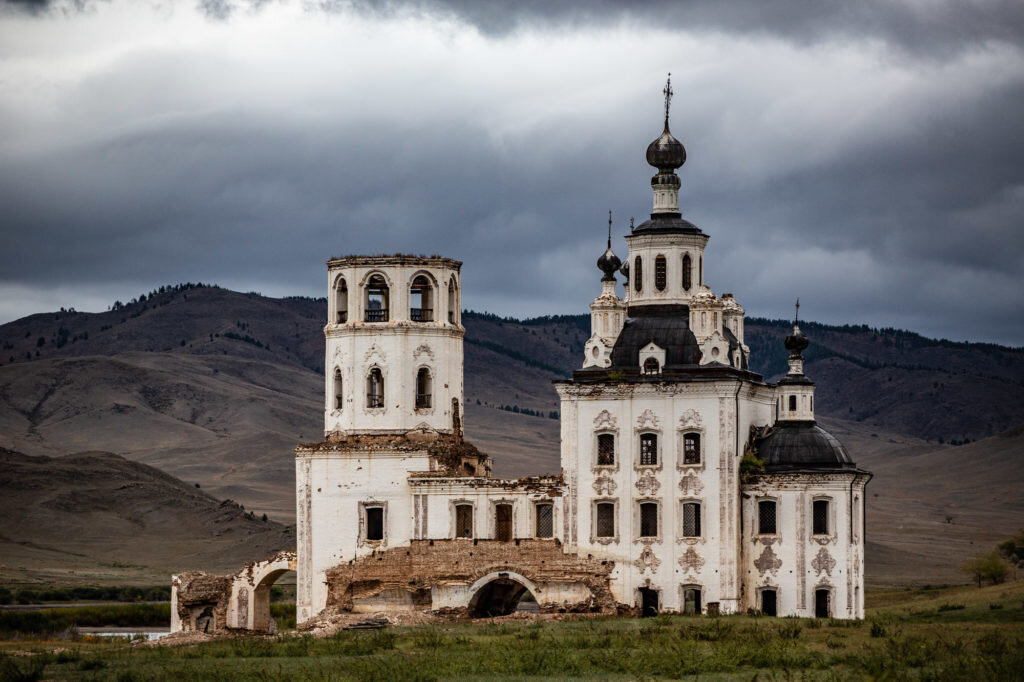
[668, 96]
[609, 229]
[797, 318]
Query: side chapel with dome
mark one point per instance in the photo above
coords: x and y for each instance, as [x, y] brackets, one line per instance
[688, 483]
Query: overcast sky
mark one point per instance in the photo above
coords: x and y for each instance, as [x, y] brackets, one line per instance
[867, 158]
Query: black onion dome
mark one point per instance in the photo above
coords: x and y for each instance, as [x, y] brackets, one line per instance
[796, 342]
[666, 153]
[609, 263]
[669, 330]
[791, 446]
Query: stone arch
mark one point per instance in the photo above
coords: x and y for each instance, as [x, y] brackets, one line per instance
[250, 593]
[498, 593]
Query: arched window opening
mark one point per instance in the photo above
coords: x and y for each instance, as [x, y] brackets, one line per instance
[766, 517]
[463, 520]
[691, 519]
[649, 520]
[792, 403]
[648, 449]
[377, 296]
[421, 301]
[660, 273]
[651, 366]
[339, 399]
[691, 601]
[700, 267]
[453, 301]
[691, 448]
[820, 513]
[375, 388]
[687, 272]
[638, 274]
[341, 301]
[423, 388]
[605, 449]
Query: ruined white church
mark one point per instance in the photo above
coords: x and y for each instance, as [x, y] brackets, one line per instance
[688, 483]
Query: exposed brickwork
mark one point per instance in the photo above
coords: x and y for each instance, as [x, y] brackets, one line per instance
[426, 563]
[198, 591]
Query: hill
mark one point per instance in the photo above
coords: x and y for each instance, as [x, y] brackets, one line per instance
[97, 517]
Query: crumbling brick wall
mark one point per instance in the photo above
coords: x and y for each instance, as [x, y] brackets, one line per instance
[199, 591]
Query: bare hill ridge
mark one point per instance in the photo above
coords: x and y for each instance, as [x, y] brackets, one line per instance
[98, 517]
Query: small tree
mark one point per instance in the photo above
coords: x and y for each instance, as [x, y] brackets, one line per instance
[987, 567]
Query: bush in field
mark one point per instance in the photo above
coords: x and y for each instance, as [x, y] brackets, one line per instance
[988, 567]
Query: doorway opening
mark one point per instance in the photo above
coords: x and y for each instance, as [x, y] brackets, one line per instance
[648, 602]
[822, 603]
[499, 597]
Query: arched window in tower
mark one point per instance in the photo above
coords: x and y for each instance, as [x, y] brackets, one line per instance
[375, 388]
[453, 302]
[341, 301]
[660, 273]
[377, 296]
[651, 366]
[700, 270]
[421, 300]
[792, 403]
[687, 272]
[638, 274]
[339, 397]
[423, 388]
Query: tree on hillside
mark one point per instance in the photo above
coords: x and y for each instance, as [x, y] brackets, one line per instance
[989, 567]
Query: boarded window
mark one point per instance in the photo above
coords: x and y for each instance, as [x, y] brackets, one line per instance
[375, 523]
[463, 520]
[503, 522]
[606, 520]
[769, 602]
[649, 520]
[605, 449]
[687, 272]
[375, 388]
[821, 517]
[545, 520]
[691, 600]
[660, 277]
[651, 366]
[648, 449]
[822, 604]
[638, 274]
[766, 521]
[691, 519]
[691, 448]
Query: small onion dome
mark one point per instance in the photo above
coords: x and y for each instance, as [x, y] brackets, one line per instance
[666, 153]
[609, 263]
[796, 342]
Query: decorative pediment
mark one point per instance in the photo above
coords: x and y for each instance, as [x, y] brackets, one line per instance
[768, 562]
[690, 484]
[604, 421]
[691, 421]
[422, 349]
[691, 561]
[374, 354]
[823, 561]
[648, 484]
[648, 421]
[647, 561]
[605, 485]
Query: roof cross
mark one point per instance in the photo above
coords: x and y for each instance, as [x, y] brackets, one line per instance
[797, 318]
[668, 97]
[609, 229]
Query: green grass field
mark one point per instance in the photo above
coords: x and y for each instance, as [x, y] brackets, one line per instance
[950, 634]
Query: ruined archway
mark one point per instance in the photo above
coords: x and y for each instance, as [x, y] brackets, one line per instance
[498, 594]
[251, 592]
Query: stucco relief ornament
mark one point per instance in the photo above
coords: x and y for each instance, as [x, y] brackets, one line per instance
[768, 562]
[691, 562]
[605, 485]
[422, 349]
[647, 421]
[372, 351]
[648, 484]
[647, 561]
[604, 421]
[823, 561]
[337, 353]
[690, 484]
[691, 421]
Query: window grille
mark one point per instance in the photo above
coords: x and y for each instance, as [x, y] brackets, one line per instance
[648, 449]
[463, 520]
[605, 449]
[766, 521]
[545, 520]
[374, 523]
[691, 448]
[649, 520]
[691, 520]
[605, 520]
[423, 388]
[660, 277]
[377, 300]
[420, 300]
[821, 517]
[638, 274]
[687, 272]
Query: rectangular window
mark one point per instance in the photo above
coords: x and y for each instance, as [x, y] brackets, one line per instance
[606, 519]
[691, 448]
[463, 520]
[503, 522]
[605, 449]
[649, 520]
[766, 521]
[792, 403]
[545, 519]
[648, 449]
[375, 523]
[821, 517]
[691, 519]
